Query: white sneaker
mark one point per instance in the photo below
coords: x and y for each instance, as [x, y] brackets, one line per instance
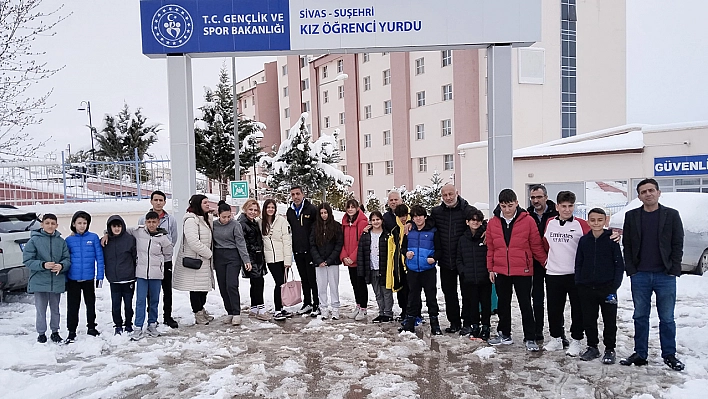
[228, 319]
[361, 315]
[354, 313]
[137, 334]
[152, 330]
[576, 346]
[335, 314]
[236, 320]
[326, 314]
[554, 344]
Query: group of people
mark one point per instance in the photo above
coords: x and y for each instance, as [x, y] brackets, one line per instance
[400, 251]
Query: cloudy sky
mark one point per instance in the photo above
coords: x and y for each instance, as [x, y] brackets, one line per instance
[99, 47]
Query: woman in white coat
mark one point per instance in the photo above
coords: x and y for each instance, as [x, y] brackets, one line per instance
[196, 244]
[278, 251]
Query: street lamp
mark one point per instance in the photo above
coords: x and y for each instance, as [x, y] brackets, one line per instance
[86, 106]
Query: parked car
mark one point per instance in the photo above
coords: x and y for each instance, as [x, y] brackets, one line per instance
[693, 208]
[15, 228]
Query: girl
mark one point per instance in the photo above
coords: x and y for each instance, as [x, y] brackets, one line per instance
[256, 270]
[326, 244]
[230, 254]
[278, 250]
[371, 265]
[353, 224]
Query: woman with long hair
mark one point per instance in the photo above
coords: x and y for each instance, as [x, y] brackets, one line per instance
[254, 243]
[230, 254]
[353, 224]
[326, 244]
[278, 250]
[196, 245]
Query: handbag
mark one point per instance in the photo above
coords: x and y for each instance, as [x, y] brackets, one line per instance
[291, 291]
[189, 262]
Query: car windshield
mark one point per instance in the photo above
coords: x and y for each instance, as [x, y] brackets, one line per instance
[17, 223]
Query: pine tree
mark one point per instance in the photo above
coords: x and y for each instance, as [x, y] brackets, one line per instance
[426, 196]
[123, 133]
[372, 203]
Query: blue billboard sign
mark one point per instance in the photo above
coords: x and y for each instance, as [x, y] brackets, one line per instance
[681, 166]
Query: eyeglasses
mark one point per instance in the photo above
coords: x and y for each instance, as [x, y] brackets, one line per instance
[533, 197]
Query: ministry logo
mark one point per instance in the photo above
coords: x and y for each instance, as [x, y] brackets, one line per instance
[172, 26]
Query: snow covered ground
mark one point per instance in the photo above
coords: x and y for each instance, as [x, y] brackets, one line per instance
[308, 358]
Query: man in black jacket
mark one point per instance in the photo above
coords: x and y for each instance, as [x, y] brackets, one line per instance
[653, 249]
[449, 218]
[542, 209]
[302, 215]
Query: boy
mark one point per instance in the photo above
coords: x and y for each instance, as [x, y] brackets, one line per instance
[561, 241]
[476, 287]
[419, 246]
[119, 255]
[395, 264]
[512, 244]
[47, 257]
[87, 264]
[598, 275]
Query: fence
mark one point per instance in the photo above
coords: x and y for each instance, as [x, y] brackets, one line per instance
[581, 211]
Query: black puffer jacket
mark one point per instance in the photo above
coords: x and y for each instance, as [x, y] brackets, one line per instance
[472, 257]
[302, 226]
[389, 220]
[451, 225]
[254, 244]
[119, 253]
[363, 257]
[329, 252]
[548, 214]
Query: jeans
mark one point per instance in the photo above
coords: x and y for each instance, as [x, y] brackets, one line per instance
[448, 283]
[361, 291]
[384, 296]
[664, 286]
[122, 293]
[227, 264]
[474, 298]
[277, 270]
[143, 287]
[308, 279]
[73, 303]
[557, 289]
[41, 300]
[592, 299]
[328, 277]
[166, 292]
[422, 281]
[522, 285]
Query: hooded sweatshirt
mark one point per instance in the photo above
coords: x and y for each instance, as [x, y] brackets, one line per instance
[86, 252]
[40, 249]
[120, 253]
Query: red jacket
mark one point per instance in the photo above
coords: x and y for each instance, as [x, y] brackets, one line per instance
[352, 233]
[524, 245]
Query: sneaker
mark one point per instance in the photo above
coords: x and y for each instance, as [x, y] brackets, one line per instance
[227, 319]
[387, 319]
[419, 320]
[476, 331]
[152, 330]
[305, 309]
[138, 334]
[287, 314]
[316, 312]
[554, 344]
[609, 357]
[408, 325]
[69, 340]
[591, 353]
[264, 316]
[566, 343]
[435, 330]
[354, 313]
[452, 329]
[466, 330]
[484, 333]
[362, 315]
[56, 338]
[531, 345]
[93, 332]
[674, 363]
[574, 349]
[170, 322]
[42, 339]
[501, 339]
[236, 320]
[279, 316]
[378, 319]
[324, 313]
[335, 314]
[129, 328]
[118, 331]
[253, 312]
[635, 359]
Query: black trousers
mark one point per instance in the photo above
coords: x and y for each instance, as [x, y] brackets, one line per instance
[557, 289]
[361, 291]
[522, 285]
[197, 299]
[74, 289]
[257, 284]
[308, 279]
[122, 294]
[227, 264]
[448, 283]
[166, 292]
[538, 295]
[277, 270]
[476, 299]
[422, 281]
[592, 299]
[402, 295]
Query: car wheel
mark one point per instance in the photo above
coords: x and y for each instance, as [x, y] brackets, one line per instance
[702, 267]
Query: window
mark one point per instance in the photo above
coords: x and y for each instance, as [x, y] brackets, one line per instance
[389, 167]
[448, 162]
[325, 96]
[423, 164]
[367, 83]
[253, 100]
[285, 91]
[447, 92]
[365, 56]
[341, 118]
[367, 112]
[420, 132]
[340, 91]
[305, 84]
[245, 103]
[387, 107]
[306, 106]
[386, 77]
[420, 66]
[342, 145]
[446, 57]
[387, 137]
[285, 70]
[569, 104]
[420, 98]
[287, 112]
[340, 66]
[370, 193]
[326, 122]
[369, 169]
[446, 127]
[302, 62]
[343, 168]
[367, 140]
[324, 71]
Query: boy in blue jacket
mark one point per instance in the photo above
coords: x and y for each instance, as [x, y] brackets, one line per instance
[47, 258]
[598, 274]
[87, 260]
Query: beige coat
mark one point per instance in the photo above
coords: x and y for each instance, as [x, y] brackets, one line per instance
[278, 244]
[196, 243]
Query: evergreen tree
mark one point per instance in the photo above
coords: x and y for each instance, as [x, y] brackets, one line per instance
[426, 196]
[123, 133]
[372, 203]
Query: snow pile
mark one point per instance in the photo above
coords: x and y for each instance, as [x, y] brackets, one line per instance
[691, 206]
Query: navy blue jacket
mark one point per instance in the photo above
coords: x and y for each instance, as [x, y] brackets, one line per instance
[423, 243]
[598, 261]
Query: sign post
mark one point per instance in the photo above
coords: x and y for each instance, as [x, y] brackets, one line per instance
[239, 191]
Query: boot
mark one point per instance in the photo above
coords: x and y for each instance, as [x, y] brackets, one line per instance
[476, 331]
[484, 333]
[408, 324]
[435, 326]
